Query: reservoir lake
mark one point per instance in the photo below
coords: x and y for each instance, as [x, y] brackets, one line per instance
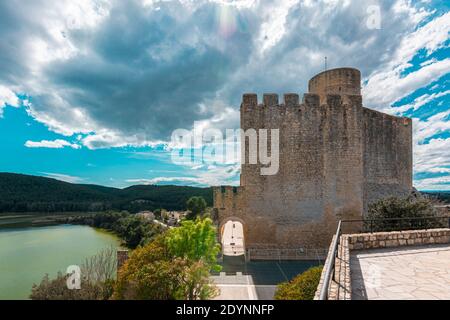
[27, 254]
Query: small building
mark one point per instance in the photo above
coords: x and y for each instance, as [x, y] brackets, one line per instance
[148, 215]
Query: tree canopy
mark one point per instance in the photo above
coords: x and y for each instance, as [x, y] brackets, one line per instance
[170, 267]
[196, 206]
[195, 240]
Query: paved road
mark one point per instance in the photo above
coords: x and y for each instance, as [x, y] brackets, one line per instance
[241, 287]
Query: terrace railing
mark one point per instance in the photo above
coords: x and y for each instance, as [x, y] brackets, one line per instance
[371, 226]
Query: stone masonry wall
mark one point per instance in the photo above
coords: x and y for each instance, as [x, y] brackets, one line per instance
[387, 142]
[335, 158]
[398, 238]
[336, 81]
[320, 174]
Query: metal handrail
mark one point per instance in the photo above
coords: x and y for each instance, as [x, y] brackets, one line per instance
[371, 221]
[399, 218]
[329, 268]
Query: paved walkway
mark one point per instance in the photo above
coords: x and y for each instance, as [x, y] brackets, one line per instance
[418, 273]
[241, 287]
[233, 239]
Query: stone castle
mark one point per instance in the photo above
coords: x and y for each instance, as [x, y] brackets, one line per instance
[336, 157]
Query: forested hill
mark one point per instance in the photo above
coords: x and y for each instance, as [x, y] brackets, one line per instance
[24, 193]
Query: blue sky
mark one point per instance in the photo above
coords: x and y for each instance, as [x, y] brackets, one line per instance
[90, 91]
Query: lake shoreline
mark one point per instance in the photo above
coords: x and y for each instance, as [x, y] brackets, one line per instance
[29, 253]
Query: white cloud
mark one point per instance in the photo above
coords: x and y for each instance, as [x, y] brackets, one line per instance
[208, 175]
[438, 184]
[52, 144]
[63, 177]
[273, 24]
[7, 97]
[421, 101]
[387, 85]
[435, 124]
[433, 157]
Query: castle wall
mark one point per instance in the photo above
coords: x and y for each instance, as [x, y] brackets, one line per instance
[320, 174]
[387, 156]
[335, 158]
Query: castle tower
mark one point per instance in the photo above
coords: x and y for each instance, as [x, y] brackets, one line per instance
[335, 158]
[342, 81]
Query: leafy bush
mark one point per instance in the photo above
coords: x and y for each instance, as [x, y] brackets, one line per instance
[175, 265]
[302, 287]
[416, 208]
[153, 273]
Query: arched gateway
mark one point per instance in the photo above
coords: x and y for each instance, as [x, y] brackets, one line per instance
[232, 237]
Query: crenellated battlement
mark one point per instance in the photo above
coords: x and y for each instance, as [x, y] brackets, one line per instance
[227, 190]
[312, 100]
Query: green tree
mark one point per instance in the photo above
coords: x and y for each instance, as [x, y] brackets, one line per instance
[403, 214]
[302, 287]
[196, 207]
[154, 273]
[195, 240]
[157, 213]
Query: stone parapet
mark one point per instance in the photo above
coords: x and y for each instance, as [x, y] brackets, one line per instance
[341, 287]
[398, 239]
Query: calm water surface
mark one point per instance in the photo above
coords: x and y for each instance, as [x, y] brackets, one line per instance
[27, 254]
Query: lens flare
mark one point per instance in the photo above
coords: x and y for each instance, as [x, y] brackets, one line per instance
[227, 21]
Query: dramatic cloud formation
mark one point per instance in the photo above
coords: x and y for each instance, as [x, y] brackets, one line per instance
[127, 73]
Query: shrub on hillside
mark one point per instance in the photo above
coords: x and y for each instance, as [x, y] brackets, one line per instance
[395, 214]
[302, 287]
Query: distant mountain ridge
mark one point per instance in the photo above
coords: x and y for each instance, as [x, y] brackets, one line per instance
[26, 193]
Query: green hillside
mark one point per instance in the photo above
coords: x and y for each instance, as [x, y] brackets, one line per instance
[24, 193]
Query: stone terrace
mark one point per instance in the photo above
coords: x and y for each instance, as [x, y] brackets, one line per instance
[419, 273]
[392, 265]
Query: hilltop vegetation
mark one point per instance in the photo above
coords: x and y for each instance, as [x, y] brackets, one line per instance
[131, 228]
[24, 193]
